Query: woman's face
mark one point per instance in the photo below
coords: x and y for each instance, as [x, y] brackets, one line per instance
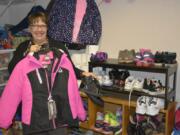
[39, 31]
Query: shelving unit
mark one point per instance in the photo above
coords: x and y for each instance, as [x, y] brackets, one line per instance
[5, 56]
[167, 70]
[121, 97]
[168, 112]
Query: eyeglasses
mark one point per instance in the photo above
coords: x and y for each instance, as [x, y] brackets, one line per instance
[39, 26]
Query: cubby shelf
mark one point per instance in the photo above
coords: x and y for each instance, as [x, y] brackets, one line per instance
[120, 97]
[93, 109]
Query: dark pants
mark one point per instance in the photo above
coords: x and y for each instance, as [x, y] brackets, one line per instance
[58, 131]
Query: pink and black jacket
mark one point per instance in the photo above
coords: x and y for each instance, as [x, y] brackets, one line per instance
[28, 84]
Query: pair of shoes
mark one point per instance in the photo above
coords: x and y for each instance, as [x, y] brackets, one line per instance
[119, 77]
[144, 58]
[126, 56]
[132, 83]
[149, 105]
[111, 125]
[135, 126]
[153, 87]
[165, 57]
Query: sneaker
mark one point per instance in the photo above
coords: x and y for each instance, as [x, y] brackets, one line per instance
[154, 105]
[126, 56]
[148, 59]
[138, 59]
[135, 126]
[99, 121]
[106, 81]
[129, 83]
[106, 124]
[138, 84]
[129, 56]
[165, 58]
[122, 77]
[121, 56]
[141, 105]
[153, 87]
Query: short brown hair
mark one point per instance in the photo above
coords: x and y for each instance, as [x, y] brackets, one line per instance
[35, 17]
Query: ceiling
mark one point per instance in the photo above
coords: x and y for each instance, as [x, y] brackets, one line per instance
[5, 2]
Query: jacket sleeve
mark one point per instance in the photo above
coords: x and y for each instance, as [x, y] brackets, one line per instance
[75, 100]
[10, 98]
[18, 55]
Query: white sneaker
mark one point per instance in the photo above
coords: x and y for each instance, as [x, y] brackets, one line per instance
[129, 82]
[141, 105]
[138, 84]
[154, 105]
[106, 81]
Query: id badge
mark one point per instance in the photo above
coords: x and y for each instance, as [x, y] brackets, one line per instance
[52, 109]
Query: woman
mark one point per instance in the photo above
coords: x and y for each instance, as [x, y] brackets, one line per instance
[25, 47]
[49, 97]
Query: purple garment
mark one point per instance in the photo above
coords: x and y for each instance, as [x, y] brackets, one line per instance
[62, 16]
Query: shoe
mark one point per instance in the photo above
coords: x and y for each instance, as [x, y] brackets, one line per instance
[99, 121]
[141, 105]
[154, 105]
[165, 57]
[135, 126]
[126, 56]
[148, 59]
[138, 59]
[129, 56]
[121, 56]
[122, 77]
[106, 81]
[153, 87]
[129, 82]
[119, 115]
[106, 124]
[158, 122]
[138, 84]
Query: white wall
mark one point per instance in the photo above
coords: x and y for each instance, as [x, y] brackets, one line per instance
[153, 24]
[4, 18]
[127, 24]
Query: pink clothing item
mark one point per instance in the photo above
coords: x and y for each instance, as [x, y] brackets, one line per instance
[19, 89]
[45, 59]
[80, 12]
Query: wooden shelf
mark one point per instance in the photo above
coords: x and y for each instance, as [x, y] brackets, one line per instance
[93, 109]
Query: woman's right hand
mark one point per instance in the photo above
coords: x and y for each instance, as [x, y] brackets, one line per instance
[34, 48]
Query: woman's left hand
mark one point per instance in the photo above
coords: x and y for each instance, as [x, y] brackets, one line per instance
[88, 74]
